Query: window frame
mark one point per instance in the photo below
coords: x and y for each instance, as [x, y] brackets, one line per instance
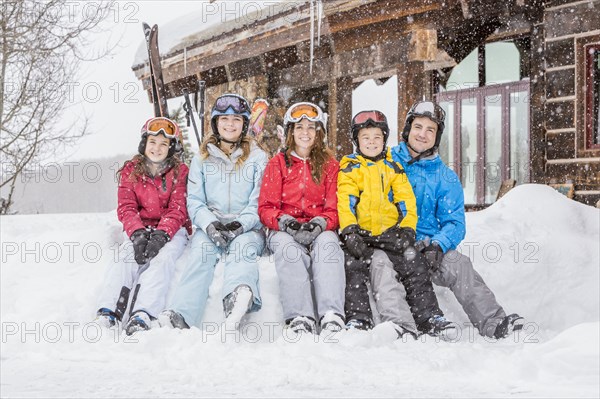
[589, 96]
[456, 97]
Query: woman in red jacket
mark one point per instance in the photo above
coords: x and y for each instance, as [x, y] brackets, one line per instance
[152, 207]
[298, 203]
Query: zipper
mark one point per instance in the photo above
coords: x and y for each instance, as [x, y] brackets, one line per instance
[229, 193]
[304, 166]
[382, 198]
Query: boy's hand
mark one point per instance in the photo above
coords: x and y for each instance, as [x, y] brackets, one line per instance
[353, 239]
[397, 238]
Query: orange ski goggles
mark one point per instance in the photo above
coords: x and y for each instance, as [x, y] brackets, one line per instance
[158, 125]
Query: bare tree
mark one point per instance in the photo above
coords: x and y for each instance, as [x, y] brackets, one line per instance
[43, 43]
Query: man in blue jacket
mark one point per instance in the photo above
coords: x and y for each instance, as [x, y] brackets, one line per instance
[441, 227]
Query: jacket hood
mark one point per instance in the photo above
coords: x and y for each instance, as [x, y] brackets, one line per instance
[216, 152]
[357, 158]
[430, 162]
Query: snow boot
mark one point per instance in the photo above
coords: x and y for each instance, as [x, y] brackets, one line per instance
[332, 322]
[236, 305]
[302, 324]
[172, 319]
[106, 318]
[438, 326]
[510, 323]
[139, 321]
[358, 324]
[403, 333]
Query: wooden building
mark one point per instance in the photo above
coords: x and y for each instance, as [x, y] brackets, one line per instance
[519, 79]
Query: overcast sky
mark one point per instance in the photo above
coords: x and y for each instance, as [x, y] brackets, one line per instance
[110, 94]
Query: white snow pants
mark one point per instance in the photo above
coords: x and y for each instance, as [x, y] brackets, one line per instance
[154, 281]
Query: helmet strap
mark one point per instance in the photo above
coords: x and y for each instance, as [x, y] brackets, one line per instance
[376, 157]
[422, 154]
[234, 144]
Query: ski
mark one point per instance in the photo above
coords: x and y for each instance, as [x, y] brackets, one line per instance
[154, 93]
[157, 75]
[258, 117]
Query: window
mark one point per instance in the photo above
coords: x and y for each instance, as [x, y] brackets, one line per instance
[486, 98]
[592, 117]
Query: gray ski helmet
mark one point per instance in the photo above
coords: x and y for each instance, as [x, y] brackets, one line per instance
[427, 109]
[230, 104]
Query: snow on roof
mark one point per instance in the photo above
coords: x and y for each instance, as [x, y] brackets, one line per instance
[215, 19]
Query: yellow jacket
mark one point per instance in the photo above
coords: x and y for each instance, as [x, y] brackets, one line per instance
[371, 193]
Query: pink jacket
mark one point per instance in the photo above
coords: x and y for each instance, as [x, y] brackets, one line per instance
[159, 202]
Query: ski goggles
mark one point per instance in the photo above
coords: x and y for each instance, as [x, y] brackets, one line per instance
[305, 110]
[428, 109]
[161, 125]
[364, 118]
[237, 103]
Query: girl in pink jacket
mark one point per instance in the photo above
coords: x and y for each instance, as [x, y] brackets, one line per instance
[152, 207]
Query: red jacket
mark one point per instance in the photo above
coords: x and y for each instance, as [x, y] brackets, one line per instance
[292, 191]
[158, 202]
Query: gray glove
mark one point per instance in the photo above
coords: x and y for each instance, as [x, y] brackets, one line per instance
[309, 231]
[289, 224]
[235, 228]
[218, 234]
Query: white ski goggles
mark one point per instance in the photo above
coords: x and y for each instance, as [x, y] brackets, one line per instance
[161, 125]
[306, 110]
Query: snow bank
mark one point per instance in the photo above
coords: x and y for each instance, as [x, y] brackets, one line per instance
[537, 250]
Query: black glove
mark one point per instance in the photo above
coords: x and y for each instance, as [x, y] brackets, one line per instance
[289, 224]
[353, 237]
[158, 239]
[310, 230]
[397, 239]
[218, 234]
[434, 255]
[140, 239]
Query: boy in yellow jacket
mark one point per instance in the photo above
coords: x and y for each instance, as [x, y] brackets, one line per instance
[378, 216]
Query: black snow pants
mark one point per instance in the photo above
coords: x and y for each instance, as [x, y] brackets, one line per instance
[413, 274]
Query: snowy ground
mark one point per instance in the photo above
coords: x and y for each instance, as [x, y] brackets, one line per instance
[538, 251]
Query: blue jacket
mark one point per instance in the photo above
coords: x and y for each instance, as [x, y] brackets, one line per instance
[220, 190]
[440, 198]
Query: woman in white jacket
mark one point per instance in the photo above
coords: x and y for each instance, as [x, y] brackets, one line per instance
[223, 188]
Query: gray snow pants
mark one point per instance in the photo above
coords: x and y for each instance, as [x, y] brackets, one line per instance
[294, 262]
[456, 273]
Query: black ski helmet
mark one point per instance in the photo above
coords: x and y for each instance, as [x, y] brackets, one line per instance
[369, 119]
[430, 110]
[166, 127]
